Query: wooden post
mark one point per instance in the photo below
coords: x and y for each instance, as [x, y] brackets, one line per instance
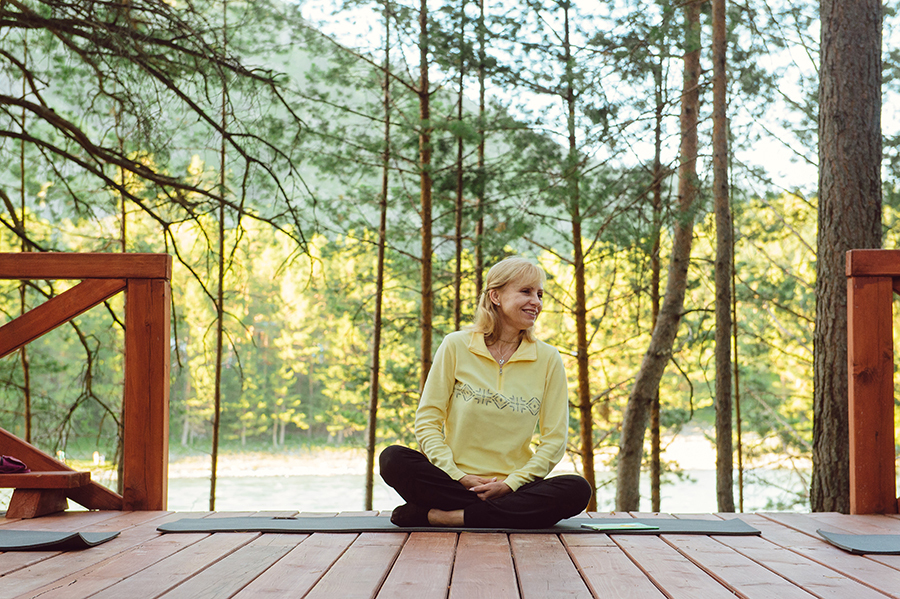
[870, 356]
[146, 439]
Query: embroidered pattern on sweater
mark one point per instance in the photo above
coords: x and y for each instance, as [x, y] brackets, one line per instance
[497, 400]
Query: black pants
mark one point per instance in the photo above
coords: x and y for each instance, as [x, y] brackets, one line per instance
[538, 504]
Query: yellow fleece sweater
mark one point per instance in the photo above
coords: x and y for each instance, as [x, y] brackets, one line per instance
[474, 420]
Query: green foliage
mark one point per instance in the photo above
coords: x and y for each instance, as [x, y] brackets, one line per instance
[123, 121]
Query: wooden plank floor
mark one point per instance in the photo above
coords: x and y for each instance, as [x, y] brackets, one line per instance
[788, 561]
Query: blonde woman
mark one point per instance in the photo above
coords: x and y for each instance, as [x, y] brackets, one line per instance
[491, 386]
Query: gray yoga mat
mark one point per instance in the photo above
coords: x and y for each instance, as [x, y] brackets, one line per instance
[381, 524]
[862, 544]
[45, 540]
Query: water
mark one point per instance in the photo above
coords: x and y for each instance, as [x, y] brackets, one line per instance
[346, 492]
[334, 481]
[302, 493]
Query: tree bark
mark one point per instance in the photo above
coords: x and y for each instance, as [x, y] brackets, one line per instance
[425, 192]
[585, 404]
[737, 386]
[220, 290]
[123, 230]
[646, 385]
[371, 425]
[458, 221]
[849, 218]
[482, 179]
[655, 438]
[724, 251]
[26, 247]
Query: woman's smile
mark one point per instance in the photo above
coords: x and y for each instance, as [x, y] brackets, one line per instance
[518, 305]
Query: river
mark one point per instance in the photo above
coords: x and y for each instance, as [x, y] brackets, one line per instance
[346, 492]
[332, 480]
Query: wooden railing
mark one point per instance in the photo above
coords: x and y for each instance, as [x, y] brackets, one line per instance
[873, 276]
[145, 279]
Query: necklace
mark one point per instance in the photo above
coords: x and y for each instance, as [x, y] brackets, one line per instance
[502, 360]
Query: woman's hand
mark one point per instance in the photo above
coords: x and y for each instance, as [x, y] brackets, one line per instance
[472, 480]
[486, 488]
[491, 489]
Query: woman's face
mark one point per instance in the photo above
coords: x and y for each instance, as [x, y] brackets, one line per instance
[518, 303]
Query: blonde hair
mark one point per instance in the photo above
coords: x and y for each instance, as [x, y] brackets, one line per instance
[509, 270]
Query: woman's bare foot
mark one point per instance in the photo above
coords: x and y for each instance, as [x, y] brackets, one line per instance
[438, 517]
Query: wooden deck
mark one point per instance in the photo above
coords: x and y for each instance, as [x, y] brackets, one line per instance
[789, 560]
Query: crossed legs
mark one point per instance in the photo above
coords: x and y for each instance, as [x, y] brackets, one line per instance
[538, 504]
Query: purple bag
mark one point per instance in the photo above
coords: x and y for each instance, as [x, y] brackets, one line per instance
[11, 465]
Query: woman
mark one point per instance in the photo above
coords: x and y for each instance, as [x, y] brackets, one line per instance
[489, 388]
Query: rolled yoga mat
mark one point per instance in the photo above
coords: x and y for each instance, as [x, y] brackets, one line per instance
[301, 524]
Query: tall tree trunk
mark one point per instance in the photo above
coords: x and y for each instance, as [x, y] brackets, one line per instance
[573, 175]
[23, 360]
[220, 329]
[724, 251]
[457, 276]
[123, 244]
[379, 278]
[26, 247]
[849, 218]
[655, 437]
[425, 191]
[220, 290]
[646, 385]
[737, 383]
[482, 176]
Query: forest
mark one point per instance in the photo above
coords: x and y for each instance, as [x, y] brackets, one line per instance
[333, 179]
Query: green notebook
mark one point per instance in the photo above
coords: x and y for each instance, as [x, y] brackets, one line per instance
[613, 526]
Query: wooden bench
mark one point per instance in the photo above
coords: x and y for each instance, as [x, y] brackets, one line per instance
[41, 493]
